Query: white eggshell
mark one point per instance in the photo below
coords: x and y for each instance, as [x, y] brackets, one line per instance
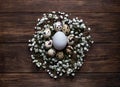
[59, 40]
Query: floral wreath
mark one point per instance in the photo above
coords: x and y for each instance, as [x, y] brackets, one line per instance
[59, 44]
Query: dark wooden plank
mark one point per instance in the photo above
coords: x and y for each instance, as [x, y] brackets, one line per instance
[17, 19]
[43, 80]
[18, 27]
[28, 20]
[101, 58]
[59, 5]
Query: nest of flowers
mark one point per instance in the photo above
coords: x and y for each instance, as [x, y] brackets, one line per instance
[59, 44]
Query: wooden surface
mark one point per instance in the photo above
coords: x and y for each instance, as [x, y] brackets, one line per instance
[102, 63]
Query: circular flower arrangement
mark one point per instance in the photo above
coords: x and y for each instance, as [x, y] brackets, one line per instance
[59, 44]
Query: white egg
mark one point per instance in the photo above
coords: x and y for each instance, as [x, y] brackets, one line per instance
[59, 40]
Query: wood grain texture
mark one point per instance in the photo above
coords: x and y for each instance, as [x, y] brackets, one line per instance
[19, 27]
[43, 80]
[101, 66]
[59, 5]
[16, 58]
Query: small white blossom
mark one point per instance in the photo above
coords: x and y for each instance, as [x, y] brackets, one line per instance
[55, 77]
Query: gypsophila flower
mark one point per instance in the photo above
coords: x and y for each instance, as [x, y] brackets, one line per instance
[75, 44]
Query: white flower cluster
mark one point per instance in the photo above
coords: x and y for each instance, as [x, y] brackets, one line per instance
[55, 62]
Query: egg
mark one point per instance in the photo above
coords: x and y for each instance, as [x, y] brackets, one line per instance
[71, 39]
[59, 40]
[51, 52]
[47, 33]
[48, 44]
[69, 49]
[57, 26]
[60, 55]
[66, 29]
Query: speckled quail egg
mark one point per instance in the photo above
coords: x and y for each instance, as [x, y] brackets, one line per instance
[48, 44]
[47, 33]
[60, 55]
[71, 39]
[66, 29]
[69, 49]
[51, 52]
[58, 26]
